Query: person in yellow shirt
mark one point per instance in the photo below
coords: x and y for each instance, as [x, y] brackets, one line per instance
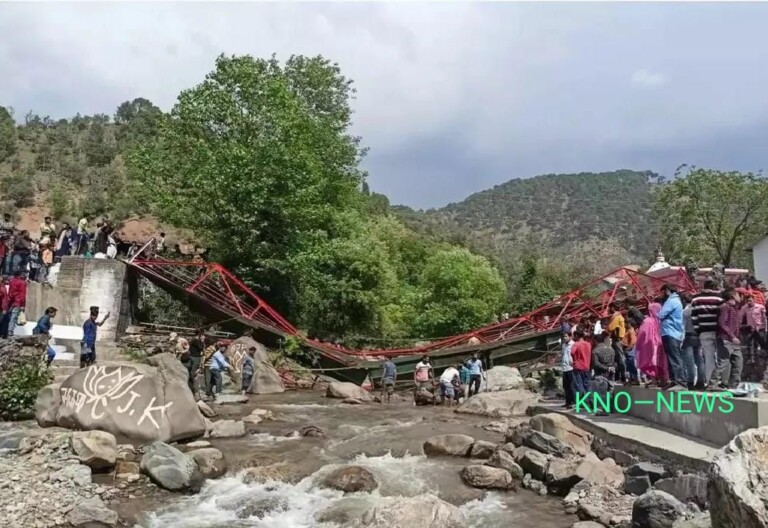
[617, 331]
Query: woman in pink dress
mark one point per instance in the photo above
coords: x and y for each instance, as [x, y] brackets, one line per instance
[649, 352]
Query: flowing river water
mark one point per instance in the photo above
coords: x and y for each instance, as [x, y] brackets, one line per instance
[274, 479]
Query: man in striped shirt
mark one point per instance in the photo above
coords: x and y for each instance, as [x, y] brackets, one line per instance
[705, 309]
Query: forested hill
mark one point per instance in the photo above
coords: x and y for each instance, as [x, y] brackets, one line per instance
[558, 208]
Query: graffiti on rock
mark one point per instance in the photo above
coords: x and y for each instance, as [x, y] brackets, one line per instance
[237, 352]
[104, 386]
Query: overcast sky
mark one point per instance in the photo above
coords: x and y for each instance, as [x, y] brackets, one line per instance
[452, 98]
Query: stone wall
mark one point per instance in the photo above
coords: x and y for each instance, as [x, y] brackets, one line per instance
[83, 283]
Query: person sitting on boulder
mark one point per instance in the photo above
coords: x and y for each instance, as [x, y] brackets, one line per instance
[43, 327]
[88, 344]
[247, 370]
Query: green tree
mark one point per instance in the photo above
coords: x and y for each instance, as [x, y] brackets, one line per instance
[461, 291]
[136, 121]
[99, 149]
[7, 134]
[710, 216]
[258, 160]
[19, 189]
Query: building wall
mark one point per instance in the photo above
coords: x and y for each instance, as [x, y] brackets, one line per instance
[82, 283]
[760, 259]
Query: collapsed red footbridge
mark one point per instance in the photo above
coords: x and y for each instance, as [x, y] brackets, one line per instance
[216, 292]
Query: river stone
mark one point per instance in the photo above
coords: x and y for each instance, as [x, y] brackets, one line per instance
[586, 524]
[482, 449]
[422, 511]
[561, 476]
[535, 463]
[210, 461]
[266, 380]
[424, 397]
[351, 479]
[169, 468]
[738, 482]
[502, 404]
[140, 402]
[448, 444]
[228, 429]
[95, 449]
[47, 405]
[91, 513]
[124, 469]
[653, 471]
[702, 520]
[597, 471]
[686, 488]
[502, 378]
[563, 429]
[311, 431]
[656, 509]
[502, 459]
[487, 477]
[637, 485]
[77, 473]
[198, 444]
[547, 444]
[11, 440]
[205, 409]
[344, 390]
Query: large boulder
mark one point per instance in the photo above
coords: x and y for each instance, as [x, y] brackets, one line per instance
[143, 403]
[686, 488]
[656, 509]
[561, 476]
[95, 449]
[597, 471]
[424, 511]
[266, 380]
[343, 390]
[502, 378]
[563, 429]
[91, 513]
[487, 477]
[645, 469]
[210, 461]
[238, 349]
[547, 444]
[502, 404]
[534, 463]
[449, 445]
[424, 397]
[169, 468]
[482, 449]
[351, 479]
[503, 460]
[47, 405]
[738, 482]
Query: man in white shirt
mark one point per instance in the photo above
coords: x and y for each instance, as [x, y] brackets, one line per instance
[566, 363]
[448, 378]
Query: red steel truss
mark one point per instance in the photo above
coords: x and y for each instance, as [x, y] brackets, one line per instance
[219, 288]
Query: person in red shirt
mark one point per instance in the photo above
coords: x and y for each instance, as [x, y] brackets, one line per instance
[5, 306]
[18, 299]
[581, 356]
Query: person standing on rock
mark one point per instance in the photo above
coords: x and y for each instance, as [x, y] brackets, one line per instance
[218, 362]
[464, 378]
[43, 327]
[476, 374]
[247, 370]
[18, 300]
[196, 348]
[5, 306]
[423, 377]
[581, 356]
[88, 345]
[729, 370]
[388, 380]
[672, 335]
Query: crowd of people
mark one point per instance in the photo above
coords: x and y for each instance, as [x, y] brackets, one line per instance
[34, 257]
[684, 342]
[458, 381]
[206, 357]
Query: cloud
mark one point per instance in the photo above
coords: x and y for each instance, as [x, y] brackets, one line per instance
[451, 98]
[648, 79]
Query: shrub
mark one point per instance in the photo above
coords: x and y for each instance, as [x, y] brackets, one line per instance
[19, 389]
